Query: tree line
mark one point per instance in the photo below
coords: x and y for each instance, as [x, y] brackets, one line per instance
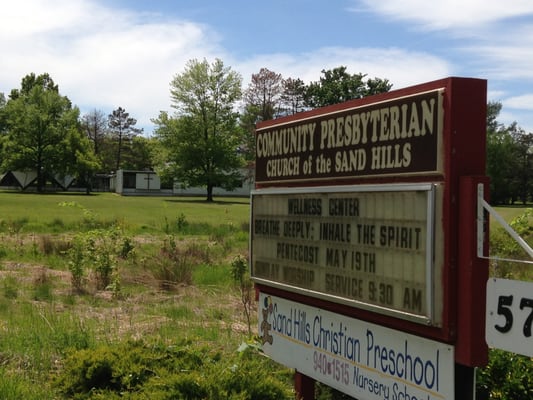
[210, 135]
[204, 142]
[41, 131]
[509, 160]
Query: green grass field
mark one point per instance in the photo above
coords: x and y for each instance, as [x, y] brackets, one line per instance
[49, 212]
[174, 286]
[50, 331]
[139, 214]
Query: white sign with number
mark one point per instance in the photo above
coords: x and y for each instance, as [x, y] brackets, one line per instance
[509, 315]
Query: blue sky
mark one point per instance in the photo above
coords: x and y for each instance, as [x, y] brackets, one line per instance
[110, 53]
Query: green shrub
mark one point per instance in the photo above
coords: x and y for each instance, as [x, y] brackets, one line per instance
[98, 251]
[15, 226]
[100, 255]
[136, 370]
[126, 248]
[76, 260]
[3, 252]
[508, 376]
[121, 368]
[239, 273]
[57, 224]
[181, 222]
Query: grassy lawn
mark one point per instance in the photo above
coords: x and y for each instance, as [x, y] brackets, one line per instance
[61, 212]
[174, 285]
[174, 288]
[511, 212]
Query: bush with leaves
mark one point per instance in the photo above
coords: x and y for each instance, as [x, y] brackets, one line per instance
[76, 262]
[137, 370]
[98, 251]
[508, 376]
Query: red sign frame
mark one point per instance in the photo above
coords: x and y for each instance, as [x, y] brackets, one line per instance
[459, 167]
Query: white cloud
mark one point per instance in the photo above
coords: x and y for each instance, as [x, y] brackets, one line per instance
[523, 102]
[506, 55]
[400, 67]
[495, 38]
[104, 58]
[100, 57]
[457, 14]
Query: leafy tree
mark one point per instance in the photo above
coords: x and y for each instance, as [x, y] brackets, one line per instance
[42, 132]
[94, 124]
[509, 153]
[247, 121]
[264, 93]
[201, 142]
[500, 158]
[2, 113]
[122, 129]
[167, 139]
[522, 182]
[3, 124]
[137, 154]
[262, 101]
[337, 85]
[79, 159]
[293, 96]
[493, 110]
[30, 82]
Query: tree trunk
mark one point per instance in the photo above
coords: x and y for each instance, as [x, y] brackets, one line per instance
[41, 181]
[88, 184]
[119, 151]
[209, 192]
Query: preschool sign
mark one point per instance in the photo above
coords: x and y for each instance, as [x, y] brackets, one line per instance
[361, 359]
[399, 136]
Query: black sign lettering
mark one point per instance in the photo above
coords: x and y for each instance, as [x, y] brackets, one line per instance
[346, 245]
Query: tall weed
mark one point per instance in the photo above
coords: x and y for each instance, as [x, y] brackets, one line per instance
[173, 265]
[49, 245]
[14, 386]
[239, 272]
[42, 286]
[36, 335]
[502, 245]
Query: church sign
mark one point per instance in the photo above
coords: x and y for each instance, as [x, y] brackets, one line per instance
[387, 138]
[368, 245]
[365, 212]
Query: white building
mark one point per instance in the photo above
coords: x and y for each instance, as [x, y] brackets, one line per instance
[148, 183]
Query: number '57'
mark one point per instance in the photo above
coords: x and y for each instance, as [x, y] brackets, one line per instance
[504, 309]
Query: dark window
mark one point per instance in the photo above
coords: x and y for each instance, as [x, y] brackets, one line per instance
[129, 180]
